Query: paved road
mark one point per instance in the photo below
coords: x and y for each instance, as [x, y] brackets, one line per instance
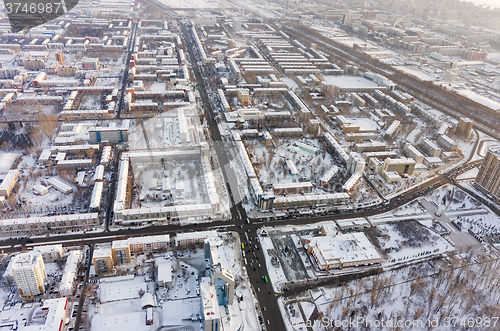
[84, 292]
[249, 227]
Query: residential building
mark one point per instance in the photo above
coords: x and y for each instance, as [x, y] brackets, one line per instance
[401, 166]
[447, 143]
[29, 273]
[464, 127]
[487, 179]
[149, 243]
[356, 163]
[70, 272]
[9, 182]
[430, 148]
[120, 251]
[414, 153]
[103, 261]
[50, 253]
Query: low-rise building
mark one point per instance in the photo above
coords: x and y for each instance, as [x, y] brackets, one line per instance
[189, 238]
[51, 315]
[391, 176]
[149, 243]
[165, 275]
[50, 253]
[70, 272]
[9, 182]
[292, 188]
[430, 148]
[342, 251]
[447, 143]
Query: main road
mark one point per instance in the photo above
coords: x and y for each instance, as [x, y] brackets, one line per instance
[240, 222]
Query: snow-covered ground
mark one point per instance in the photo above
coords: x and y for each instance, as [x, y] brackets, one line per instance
[422, 293]
[409, 240]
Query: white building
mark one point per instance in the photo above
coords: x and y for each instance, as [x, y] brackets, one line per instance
[165, 275]
[183, 126]
[60, 185]
[342, 250]
[50, 253]
[49, 316]
[356, 163]
[70, 273]
[29, 272]
[209, 306]
[95, 200]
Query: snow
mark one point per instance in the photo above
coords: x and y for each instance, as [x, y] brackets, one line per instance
[190, 4]
[409, 240]
[290, 83]
[480, 99]
[471, 174]
[417, 73]
[413, 135]
[350, 82]
[122, 290]
[6, 161]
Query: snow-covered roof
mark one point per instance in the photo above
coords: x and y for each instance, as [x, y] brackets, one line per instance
[148, 300]
[209, 300]
[130, 321]
[11, 175]
[279, 186]
[49, 219]
[102, 252]
[349, 247]
[70, 271]
[165, 272]
[124, 290]
[54, 310]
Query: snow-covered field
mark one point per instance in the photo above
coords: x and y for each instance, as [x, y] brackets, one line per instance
[409, 240]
